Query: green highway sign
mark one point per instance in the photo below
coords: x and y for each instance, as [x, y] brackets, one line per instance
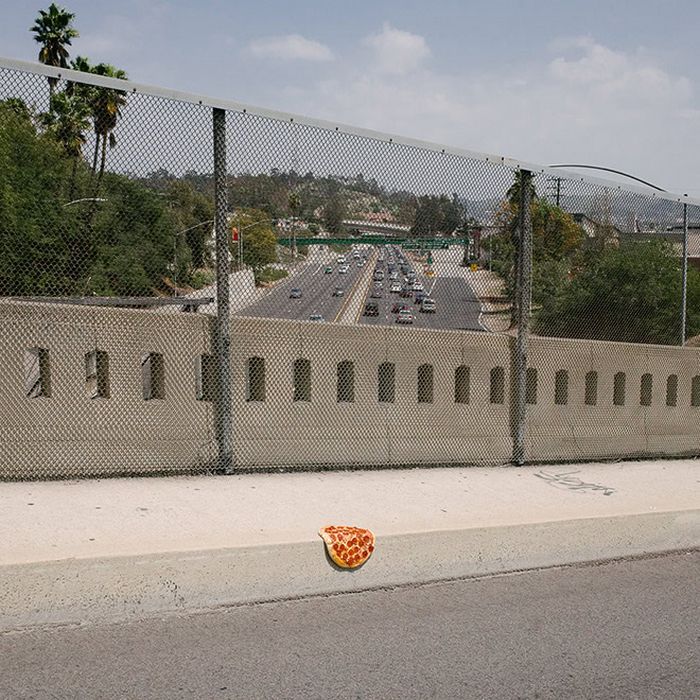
[408, 243]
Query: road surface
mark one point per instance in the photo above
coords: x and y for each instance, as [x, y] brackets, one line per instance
[620, 630]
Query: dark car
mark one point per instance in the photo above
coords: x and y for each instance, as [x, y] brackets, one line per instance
[376, 293]
[295, 294]
[338, 292]
[398, 307]
[420, 296]
[406, 293]
[371, 309]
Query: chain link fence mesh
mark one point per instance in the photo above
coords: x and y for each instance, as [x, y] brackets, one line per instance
[373, 289]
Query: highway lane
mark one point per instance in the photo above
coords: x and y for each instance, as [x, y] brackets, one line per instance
[317, 292]
[457, 306]
[625, 629]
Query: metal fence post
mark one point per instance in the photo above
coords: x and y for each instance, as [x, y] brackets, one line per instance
[684, 283]
[523, 301]
[222, 336]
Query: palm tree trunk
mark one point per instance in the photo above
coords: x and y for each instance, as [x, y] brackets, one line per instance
[102, 160]
[73, 172]
[94, 155]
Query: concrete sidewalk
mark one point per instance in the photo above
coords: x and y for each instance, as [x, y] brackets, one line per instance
[115, 549]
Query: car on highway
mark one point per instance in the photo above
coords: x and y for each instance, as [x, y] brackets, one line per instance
[404, 317]
[378, 275]
[316, 317]
[417, 286]
[398, 307]
[360, 263]
[395, 287]
[371, 308]
[406, 293]
[295, 293]
[338, 292]
[419, 297]
[343, 270]
[341, 260]
[376, 293]
[328, 270]
[428, 305]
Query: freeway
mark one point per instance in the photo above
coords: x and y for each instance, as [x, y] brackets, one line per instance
[457, 306]
[316, 288]
[625, 629]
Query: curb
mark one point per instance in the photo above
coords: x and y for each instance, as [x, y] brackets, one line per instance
[113, 589]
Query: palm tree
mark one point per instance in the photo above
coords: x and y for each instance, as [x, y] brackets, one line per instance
[54, 32]
[68, 120]
[106, 109]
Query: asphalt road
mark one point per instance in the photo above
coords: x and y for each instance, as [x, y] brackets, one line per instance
[620, 630]
[317, 293]
[457, 307]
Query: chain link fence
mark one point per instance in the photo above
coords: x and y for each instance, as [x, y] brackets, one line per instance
[194, 286]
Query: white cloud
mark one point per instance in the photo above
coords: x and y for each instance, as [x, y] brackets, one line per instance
[290, 47]
[587, 103]
[397, 52]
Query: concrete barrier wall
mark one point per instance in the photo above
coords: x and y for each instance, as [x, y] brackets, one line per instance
[70, 434]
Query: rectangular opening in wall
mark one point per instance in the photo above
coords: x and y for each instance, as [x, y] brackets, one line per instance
[645, 390]
[97, 374]
[695, 391]
[346, 382]
[462, 384]
[302, 379]
[256, 379]
[385, 382]
[425, 384]
[591, 397]
[497, 385]
[37, 373]
[531, 385]
[205, 377]
[672, 390]
[619, 389]
[561, 388]
[153, 376]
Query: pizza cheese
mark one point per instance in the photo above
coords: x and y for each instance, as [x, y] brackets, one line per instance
[349, 547]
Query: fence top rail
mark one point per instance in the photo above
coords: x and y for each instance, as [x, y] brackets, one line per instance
[232, 105]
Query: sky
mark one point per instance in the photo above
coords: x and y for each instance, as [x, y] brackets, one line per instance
[612, 83]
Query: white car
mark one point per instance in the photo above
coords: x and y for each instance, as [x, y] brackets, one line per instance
[417, 287]
[395, 287]
[343, 270]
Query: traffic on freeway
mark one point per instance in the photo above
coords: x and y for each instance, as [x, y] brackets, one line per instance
[317, 291]
[402, 293]
[375, 286]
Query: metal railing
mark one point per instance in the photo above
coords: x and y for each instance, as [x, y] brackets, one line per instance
[547, 290]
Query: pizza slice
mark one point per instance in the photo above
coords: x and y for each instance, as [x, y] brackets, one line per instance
[349, 547]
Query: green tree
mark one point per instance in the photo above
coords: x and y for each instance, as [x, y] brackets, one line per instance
[435, 214]
[68, 120]
[190, 208]
[258, 238]
[334, 213]
[54, 31]
[631, 293]
[40, 239]
[557, 240]
[106, 106]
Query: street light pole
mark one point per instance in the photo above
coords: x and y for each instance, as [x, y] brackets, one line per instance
[86, 199]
